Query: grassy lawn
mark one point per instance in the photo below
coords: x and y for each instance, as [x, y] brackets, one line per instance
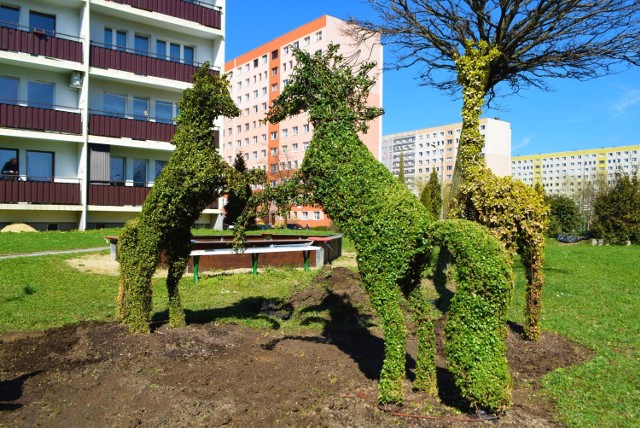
[592, 295]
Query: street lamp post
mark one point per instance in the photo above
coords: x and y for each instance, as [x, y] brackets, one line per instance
[441, 179]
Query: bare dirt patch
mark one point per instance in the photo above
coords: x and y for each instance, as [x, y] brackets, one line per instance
[211, 374]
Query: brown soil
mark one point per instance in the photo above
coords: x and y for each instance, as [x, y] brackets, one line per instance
[211, 374]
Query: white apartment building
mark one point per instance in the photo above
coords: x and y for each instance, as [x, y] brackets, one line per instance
[258, 78]
[424, 150]
[88, 97]
[566, 173]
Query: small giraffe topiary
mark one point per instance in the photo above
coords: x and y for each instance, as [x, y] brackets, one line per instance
[394, 235]
[513, 211]
[192, 179]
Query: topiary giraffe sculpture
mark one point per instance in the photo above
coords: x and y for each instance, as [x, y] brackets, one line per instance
[394, 235]
[191, 180]
[513, 211]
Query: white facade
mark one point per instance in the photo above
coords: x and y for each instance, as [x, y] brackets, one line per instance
[423, 150]
[90, 102]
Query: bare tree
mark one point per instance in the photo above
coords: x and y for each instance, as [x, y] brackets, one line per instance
[536, 39]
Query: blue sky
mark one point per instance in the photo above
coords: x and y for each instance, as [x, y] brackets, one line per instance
[576, 115]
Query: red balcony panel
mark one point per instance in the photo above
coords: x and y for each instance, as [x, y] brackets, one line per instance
[106, 195]
[180, 9]
[39, 119]
[24, 41]
[118, 127]
[142, 65]
[39, 192]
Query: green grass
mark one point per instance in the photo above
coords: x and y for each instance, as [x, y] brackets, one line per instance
[29, 242]
[44, 292]
[592, 296]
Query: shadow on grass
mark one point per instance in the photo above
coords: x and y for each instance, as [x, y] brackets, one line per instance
[250, 308]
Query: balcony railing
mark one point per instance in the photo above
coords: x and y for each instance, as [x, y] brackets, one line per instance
[52, 118]
[115, 194]
[192, 10]
[24, 39]
[39, 192]
[105, 125]
[142, 63]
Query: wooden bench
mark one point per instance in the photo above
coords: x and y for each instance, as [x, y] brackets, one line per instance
[305, 249]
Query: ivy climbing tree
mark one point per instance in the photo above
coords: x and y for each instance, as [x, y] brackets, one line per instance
[192, 179]
[394, 234]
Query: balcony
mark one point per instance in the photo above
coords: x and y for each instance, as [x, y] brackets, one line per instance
[192, 10]
[141, 63]
[52, 118]
[19, 39]
[39, 192]
[116, 194]
[106, 125]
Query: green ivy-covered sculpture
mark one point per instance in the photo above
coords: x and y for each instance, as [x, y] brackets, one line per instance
[192, 179]
[394, 235]
[514, 212]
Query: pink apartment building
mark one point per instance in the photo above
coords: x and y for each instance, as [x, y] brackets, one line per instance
[257, 77]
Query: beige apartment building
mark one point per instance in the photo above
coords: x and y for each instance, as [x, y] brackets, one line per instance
[567, 173]
[257, 78]
[424, 150]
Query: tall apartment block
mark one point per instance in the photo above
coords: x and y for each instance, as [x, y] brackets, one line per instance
[424, 150]
[88, 98]
[257, 79]
[566, 173]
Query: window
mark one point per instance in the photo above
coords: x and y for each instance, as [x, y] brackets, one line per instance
[255, 94]
[305, 146]
[139, 172]
[117, 170]
[274, 71]
[274, 87]
[39, 166]
[6, 155]
[307, 41]
[40, 94]
[295, 147]
[160, 164]
[285, 133]
[294, 130]
[164, 112]
[305, 128]
[305, 215]
[274, 54]
[9, 90]
[316, 215]
[264, 90]
[42, 22]
[141, 44]
[263, 153]
[319, 36]
[274, 135]
[9, 17]
[174, 52]
[285, 148]
[274, 167]
[161, 49]
[274, 151]
[263, 137]
[264, 59]
[189, 54]
[140, 108]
